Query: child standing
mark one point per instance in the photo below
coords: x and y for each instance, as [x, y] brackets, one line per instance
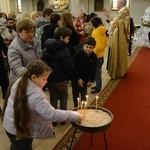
[57, 56]
[99, 34]
[85, 66]
[27, 114]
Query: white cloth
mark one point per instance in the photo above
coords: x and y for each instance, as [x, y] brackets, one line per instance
[141, 37]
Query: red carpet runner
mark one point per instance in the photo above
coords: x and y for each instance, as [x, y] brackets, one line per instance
[130, 105]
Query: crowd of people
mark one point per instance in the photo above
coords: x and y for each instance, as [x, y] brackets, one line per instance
[43, 52]
[46, 50]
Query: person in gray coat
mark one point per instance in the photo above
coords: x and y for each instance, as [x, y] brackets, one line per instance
[23, 48]
[27, 113]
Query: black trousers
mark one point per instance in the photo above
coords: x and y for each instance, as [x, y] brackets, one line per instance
[58, 91]
[4, 81]
[77, 90]
[24, 144]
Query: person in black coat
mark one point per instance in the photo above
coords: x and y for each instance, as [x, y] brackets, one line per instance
[57, 56]
[3, 72]
[4, 82]
[131, 34]
[48, 30]
[74, 41]
[85, 62]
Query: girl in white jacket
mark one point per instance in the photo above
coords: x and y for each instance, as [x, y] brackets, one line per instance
[27, 114]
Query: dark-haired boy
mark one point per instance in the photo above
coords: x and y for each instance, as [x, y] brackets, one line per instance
[99, 34]
[85, 62]
[57, 56]
[48, 30]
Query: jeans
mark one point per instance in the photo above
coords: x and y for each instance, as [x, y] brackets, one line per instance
[23, 144]
[98, 74]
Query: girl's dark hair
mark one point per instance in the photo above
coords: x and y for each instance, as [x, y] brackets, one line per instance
[1, 14]
[96, 21]
[90, 41]
[21, 109]
[61, 31]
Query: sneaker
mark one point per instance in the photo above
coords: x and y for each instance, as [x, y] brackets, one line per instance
[47, 89]
[129, 54]
[93, 88]
[54, 124]
[95, 92]
[53, 133]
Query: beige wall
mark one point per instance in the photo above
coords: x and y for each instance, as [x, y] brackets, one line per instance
[4, 6]
[137, 7]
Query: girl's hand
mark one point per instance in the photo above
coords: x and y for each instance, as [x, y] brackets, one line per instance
[80, 119]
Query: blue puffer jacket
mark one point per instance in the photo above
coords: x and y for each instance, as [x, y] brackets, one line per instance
[57, 56]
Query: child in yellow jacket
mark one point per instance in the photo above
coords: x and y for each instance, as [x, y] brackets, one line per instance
[99, 34]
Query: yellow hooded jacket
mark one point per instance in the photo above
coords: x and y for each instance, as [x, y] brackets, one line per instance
[99, 34]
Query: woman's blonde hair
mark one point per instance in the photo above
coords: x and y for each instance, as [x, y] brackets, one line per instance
[33, 14]
[24, 23]
[21, 108]
[27, 15]
[12, 15]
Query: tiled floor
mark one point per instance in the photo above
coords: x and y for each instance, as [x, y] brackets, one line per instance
[48, 144]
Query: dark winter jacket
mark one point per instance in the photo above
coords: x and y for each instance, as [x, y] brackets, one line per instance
[85, 66]
[57, 56]
[3, 73]
[74, 41]
[48, 32]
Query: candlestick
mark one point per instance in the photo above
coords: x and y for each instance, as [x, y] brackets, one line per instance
[96, 101]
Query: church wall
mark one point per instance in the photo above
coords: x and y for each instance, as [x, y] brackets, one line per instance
[137, 7]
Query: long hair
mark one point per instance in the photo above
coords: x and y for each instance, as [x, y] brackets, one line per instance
[21, 109]
[67, 20]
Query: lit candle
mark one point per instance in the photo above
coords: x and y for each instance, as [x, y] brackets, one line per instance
[96, 101]
[78, 103]
[82, 106]
[85, 105]
[87, 99]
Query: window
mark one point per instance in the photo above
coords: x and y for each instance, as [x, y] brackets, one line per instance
[19, 6]
[114, 4]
